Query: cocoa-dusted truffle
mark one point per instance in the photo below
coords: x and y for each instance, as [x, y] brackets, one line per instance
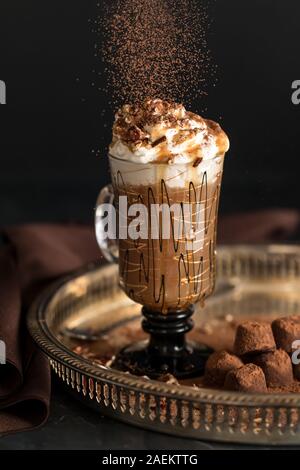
[286, 330]
[277, 367]
[218, 365]
[248, 378]
[253, 337]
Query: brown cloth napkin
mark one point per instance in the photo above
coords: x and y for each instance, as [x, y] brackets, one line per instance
[263, 226]
[33, 257]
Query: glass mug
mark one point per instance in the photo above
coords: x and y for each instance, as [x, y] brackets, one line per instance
[167, 262]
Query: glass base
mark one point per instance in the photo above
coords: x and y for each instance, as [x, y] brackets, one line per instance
[167, 351]
[138, 359]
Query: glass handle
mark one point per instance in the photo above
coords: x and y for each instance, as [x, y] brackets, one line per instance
[105, 224]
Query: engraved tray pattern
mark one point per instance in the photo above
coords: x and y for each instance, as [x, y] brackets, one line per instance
[261, 280]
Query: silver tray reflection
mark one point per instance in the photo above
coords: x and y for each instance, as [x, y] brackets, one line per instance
[253, 282]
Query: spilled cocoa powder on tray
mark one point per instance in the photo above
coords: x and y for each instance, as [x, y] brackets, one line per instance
[275, 366]
[154, 48]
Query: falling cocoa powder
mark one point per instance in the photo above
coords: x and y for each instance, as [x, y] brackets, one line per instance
[154, 48]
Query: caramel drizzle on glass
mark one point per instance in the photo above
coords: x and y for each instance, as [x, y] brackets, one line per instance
[195, 196]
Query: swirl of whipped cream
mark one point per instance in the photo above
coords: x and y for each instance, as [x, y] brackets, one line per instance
[158, 131]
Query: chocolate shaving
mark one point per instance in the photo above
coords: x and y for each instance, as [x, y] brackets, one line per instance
[197, 162]
[159, 141]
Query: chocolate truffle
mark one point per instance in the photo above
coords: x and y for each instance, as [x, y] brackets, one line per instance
[286, 330]
[277, 367]
[248, 378]
[253, 337]
[218, 365]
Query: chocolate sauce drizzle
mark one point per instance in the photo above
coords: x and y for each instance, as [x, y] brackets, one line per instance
[192, 266]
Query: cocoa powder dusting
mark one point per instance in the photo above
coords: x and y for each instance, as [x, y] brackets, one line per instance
[154, 48]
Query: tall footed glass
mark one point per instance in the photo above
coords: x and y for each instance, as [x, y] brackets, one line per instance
[165, 236]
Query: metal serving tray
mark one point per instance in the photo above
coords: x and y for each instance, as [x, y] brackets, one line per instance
[253, 282]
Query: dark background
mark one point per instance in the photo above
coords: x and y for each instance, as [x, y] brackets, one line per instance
[55, 127]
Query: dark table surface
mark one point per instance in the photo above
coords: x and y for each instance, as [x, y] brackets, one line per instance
[73, 426]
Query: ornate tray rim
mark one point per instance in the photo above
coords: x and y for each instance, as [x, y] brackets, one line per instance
[55, 350]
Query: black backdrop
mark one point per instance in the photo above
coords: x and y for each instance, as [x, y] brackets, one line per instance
[55, 127]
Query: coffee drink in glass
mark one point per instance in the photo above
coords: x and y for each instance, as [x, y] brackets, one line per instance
[166, 168]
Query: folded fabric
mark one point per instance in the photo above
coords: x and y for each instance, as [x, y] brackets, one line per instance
[262, 226]
[32, 257]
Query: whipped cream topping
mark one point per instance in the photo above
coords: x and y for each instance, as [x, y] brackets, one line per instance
[158, 131]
